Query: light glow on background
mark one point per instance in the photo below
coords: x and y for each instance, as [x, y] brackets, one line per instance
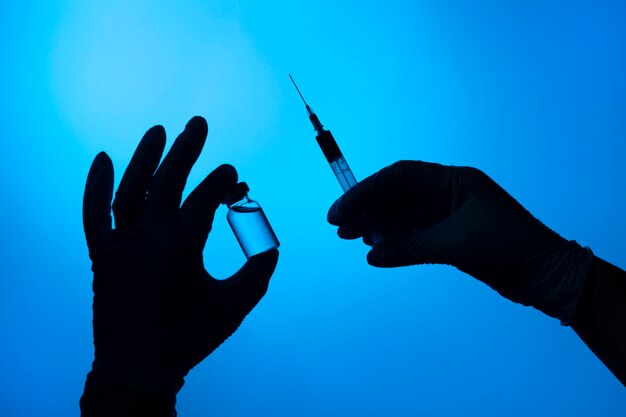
[532, 92]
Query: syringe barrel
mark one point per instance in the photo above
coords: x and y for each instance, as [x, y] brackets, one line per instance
[343, 173]
[327, 144]
[342, 170]
[337, 162]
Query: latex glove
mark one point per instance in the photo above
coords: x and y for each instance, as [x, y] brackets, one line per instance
[434, 214]
[157, 312]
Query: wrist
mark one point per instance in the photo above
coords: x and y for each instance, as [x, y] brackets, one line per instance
[556, 286]
[155, 383]
[123, 402]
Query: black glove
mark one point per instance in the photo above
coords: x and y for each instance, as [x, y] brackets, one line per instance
[430, 213]
[157, 312]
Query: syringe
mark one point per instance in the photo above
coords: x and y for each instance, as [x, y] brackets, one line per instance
[336, 160]
[329, 147]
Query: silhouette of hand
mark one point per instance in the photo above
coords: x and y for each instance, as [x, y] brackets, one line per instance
[157, 312]
[429, 213]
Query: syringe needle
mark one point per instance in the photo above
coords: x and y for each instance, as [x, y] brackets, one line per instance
[295, 85]
[312, 117]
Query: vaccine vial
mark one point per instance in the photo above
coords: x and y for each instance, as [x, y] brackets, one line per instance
[249, 223]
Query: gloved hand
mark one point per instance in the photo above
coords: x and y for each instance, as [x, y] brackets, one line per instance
[434, 214]
[156, 311]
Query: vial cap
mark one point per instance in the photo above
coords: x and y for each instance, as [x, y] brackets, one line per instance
[240, 190]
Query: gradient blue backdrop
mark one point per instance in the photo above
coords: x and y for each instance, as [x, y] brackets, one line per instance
[533, 92]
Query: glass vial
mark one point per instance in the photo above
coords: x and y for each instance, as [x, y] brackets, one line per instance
[249, 223]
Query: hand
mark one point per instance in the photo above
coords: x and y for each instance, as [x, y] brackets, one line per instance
[157, 312]
[430, 213]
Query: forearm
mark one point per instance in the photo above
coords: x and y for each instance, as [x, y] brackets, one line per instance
[123, 402]
[600, 318]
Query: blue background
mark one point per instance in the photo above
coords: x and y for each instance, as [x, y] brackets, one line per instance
[532, 92]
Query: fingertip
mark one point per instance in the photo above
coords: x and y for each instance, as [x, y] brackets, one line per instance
[345, 206]
[223, 179]
[228, 173]
[386, 254]
[158, 129]
[348, 233]
[333, 213]
[102, 160]
[273, 254]
[376, 259]
[156, 132]
[153, 142]
[198, 123]
[263, 265]
[101, 168]
[100, 173]
[254, 277]
[268, 259]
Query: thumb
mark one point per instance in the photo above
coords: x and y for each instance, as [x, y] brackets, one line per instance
[428, 246]
[248, 285]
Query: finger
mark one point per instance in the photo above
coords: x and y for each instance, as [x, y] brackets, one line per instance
[373, 194]
[250, 283]
[199, 208]
[361, 224]
[351, 204]
[407, 195]
[349, 233]
[97, 201]
[166, 190]
[131, 193]
[434, 245]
